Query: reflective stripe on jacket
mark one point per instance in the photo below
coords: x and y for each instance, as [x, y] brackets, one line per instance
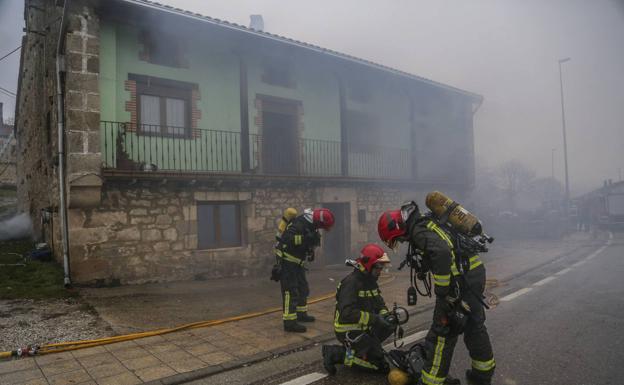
[358, 299]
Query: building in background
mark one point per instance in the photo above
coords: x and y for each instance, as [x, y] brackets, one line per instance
[7, 152]
[187, 136]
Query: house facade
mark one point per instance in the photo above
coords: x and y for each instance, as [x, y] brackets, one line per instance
[187, 136]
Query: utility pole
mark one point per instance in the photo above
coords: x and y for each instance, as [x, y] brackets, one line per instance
[565, 144]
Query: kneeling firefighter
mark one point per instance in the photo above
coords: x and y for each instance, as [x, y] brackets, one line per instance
[458, 287]
[295, 246]
[361, 321]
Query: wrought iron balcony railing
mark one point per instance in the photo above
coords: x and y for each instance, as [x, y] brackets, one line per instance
[154, 148]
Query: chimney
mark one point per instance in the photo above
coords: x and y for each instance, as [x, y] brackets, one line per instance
[256, 23]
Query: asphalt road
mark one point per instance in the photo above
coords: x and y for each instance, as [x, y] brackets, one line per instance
[561, 324]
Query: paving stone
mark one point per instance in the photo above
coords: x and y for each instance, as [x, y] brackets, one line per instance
[107, 370]
[17, 365]
[141, 362]
[187, 365]
[155, 372]
[202, 349]
[70, 378]
[60, 367]
[130, 353]
[173, 355]
[216, 358]
[36, 381]
[20, 376]
[97, 359]
[161, 347]
[53, 357]
[120, 379]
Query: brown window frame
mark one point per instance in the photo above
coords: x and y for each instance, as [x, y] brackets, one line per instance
[163, 89]
[219, 244]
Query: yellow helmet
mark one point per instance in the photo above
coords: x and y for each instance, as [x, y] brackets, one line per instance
[398, 377]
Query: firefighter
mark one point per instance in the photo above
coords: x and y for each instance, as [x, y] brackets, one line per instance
[451, 290]
[297, 245]
[360, 319]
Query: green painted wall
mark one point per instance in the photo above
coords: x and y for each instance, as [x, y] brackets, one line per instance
[215, 69]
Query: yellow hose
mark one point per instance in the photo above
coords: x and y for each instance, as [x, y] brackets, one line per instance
[74, 345]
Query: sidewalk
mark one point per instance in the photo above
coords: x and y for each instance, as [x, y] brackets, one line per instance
[185, 355]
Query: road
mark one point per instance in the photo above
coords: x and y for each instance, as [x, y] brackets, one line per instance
[560, 324]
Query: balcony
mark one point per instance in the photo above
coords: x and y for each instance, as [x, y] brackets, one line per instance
[127, 147]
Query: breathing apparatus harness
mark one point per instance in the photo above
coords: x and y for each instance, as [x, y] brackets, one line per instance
[463, 247]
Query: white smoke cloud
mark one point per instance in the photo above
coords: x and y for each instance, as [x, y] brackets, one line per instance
[16, 227]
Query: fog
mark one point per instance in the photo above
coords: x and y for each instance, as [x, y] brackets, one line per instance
[505, 50]
[17, 227]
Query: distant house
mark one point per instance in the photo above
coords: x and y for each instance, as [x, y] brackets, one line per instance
[187, 136]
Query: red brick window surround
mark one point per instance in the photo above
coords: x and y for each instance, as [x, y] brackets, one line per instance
[162, 107]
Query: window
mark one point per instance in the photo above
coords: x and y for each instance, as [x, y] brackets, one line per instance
[163, 49]
[218, 225]
[363, 131]
[278, 74]
[163, 106]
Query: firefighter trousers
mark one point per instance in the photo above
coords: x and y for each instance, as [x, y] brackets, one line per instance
[295, 290]
[366, 352]
[440, 341]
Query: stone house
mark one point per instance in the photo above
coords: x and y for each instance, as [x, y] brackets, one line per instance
[186, 137]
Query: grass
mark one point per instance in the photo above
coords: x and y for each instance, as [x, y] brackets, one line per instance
[34, 280]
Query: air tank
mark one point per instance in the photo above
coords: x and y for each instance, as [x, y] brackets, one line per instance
[287, 216]
[446, 209]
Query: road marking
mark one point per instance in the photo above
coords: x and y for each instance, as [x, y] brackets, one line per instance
[544, 281]
[562, 272]
[515, 294]
[307, 379]
[579, 263]
[407, 340]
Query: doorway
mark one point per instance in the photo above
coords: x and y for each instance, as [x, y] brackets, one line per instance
[280, 136]
[337, 242]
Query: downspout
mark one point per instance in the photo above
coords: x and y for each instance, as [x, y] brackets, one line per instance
[60, 67]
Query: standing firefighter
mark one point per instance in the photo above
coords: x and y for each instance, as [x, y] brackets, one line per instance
[458, 307]
[296, 245]
[360, 319]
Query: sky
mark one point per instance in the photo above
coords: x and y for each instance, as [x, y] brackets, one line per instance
[505, 50]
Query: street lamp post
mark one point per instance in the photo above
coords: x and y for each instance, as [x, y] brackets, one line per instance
[565, 144]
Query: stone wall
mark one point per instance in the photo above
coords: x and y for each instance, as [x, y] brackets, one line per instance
[148, 231]
[36, 174]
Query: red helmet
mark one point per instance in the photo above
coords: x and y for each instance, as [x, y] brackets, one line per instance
[391, 226]
[323, 218]
[370, 255]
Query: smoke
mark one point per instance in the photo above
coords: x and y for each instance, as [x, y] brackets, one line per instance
[16, 227]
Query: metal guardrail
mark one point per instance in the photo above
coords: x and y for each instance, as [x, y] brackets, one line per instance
[156, 148]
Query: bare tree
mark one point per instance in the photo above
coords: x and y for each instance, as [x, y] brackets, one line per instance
[514, 178]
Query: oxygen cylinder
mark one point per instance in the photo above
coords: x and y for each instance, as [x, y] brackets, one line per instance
[287, 216]
[460, 218]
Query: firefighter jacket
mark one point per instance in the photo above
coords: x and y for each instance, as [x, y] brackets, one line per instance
[298, 241]
[438, 253]
[358, 300]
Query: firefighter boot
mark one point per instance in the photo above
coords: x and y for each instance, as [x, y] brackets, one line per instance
[304, 317]
[332, 355]
[294, 327]
[475, 379]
